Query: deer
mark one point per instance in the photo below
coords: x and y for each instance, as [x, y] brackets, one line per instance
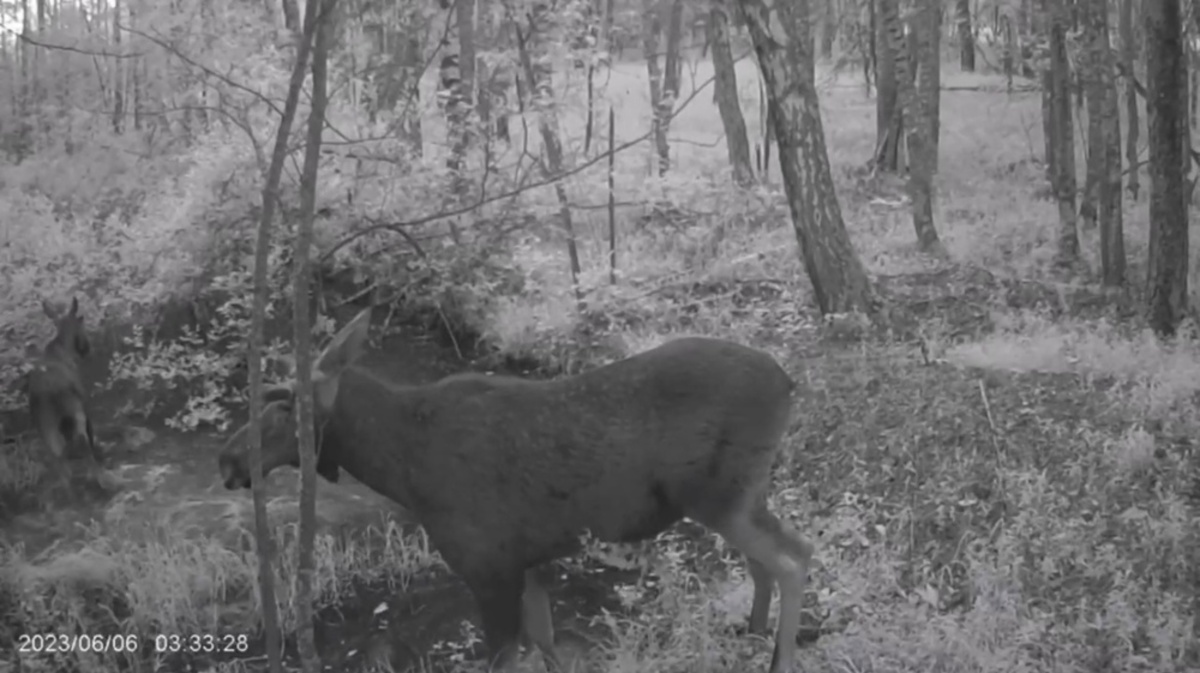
[505, 474]
[58, 399]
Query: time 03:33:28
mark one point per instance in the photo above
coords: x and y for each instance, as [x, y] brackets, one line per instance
[202, 643]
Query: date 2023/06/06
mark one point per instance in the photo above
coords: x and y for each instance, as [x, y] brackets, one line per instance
[50, 643]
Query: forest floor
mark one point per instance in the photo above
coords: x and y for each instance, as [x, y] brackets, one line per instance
[1002, 485]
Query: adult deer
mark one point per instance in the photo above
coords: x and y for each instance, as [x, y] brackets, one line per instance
[505, 474]
[58, 399]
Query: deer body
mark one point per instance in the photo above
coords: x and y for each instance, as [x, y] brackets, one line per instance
[505, 474]
[58, 400]
[530, 465]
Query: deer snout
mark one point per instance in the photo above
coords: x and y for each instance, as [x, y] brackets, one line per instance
[234, 472]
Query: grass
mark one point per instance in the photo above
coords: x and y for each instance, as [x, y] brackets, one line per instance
[1015, 498]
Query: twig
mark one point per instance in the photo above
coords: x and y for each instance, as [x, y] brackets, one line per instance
[450, 331]
[987, 407]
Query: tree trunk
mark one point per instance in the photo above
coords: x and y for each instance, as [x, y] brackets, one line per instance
[673, 68]
[917, 113]
[829, 24]
[459, 77]
[672, 77]
[929, 82]
[865, 37]
[725, 91]
[1095, 42]
[1166, 112]
[1062, 135]
[291, 16]
[270, 198]
[839, 280]
[533, 51]
[1128, 57]
[609, 17]
[302, 338]
[889, 117]
[118, 111]
[651, 26]
[1112, 227]
[966, 36]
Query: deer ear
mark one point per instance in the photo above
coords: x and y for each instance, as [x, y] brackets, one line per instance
[346, 347]
[49, 310]
[74, 306]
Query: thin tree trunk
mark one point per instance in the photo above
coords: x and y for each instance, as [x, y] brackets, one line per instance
[829, 23]
[291, 15]
[1107, 148]
[916, 111]
[1091, 73]
[672, 77]
[840, 282]
[650, 30]
[725, 91]
[302, 336]
[929, 83]
[609, 18]
[1128, 51]
[889, 115]
[673, 68]
[1166, 111]
[966, 37]
[1112, 227]
[867, 46]
[270, 198]
[532, 50]
[461, 103]
[118, 112]
[1062, 135]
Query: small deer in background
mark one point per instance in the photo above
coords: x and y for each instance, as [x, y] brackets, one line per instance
[58, 400]
[505, 474]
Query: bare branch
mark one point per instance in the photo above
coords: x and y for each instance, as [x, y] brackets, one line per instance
[69, 48]
[484, 200]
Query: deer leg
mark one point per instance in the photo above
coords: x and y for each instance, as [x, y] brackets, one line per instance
[764, 585]
[537, 624]
[81, 433]
[498, 594]
[785, 555]
[48, 428]
[97, 455]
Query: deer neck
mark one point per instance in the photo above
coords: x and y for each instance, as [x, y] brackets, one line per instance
[373, 426]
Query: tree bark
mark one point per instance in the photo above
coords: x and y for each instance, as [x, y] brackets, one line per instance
[725, 91]
[270, 198]
[291, 16]
[966, 36]
[1095, 41]
[673, 67]
[302, 339]
[917, 110]
[651, 26]
[779, 30]
[929, 81]
[889, 116]
[461, 100]
[1062, 135]
[533, 52]
[1128, 52]
[1112, 227]
[1167, 115]
[829, 24]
